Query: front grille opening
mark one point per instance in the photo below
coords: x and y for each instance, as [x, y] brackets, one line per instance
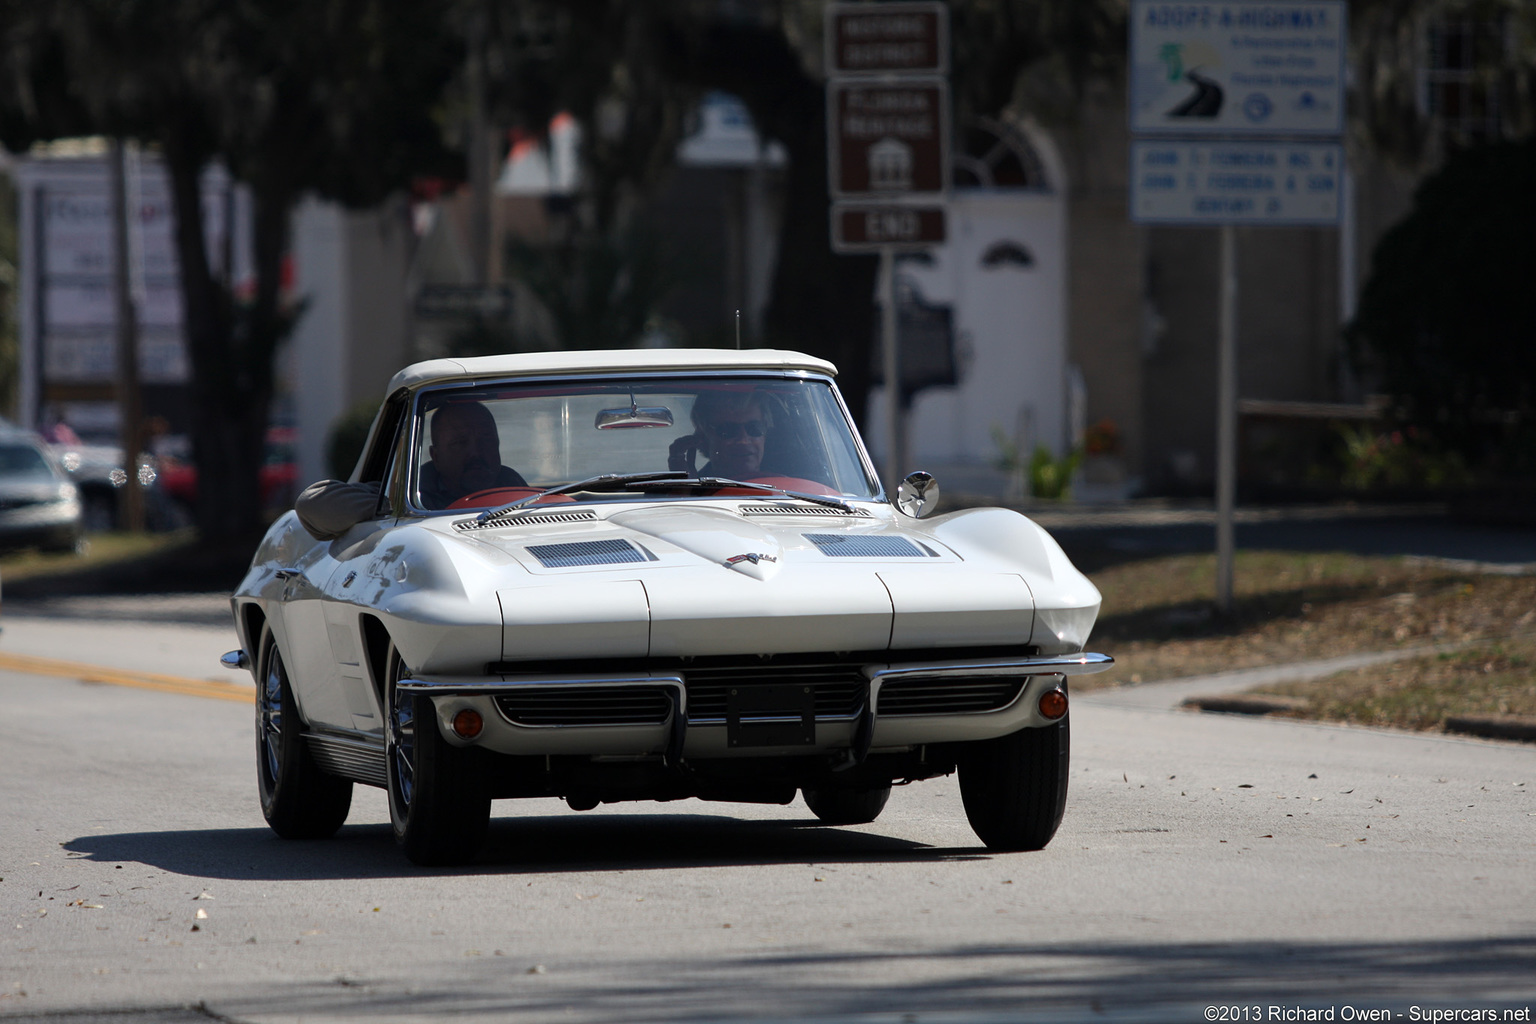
[586, 705]
[956, 695]
[838, 687]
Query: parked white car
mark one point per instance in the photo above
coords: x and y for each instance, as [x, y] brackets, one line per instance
[532, 587]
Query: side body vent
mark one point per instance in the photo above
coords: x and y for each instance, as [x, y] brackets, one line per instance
[837, 545]
[540, 519]
[587, 552]
[800, 510]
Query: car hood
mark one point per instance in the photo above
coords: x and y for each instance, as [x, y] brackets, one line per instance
[694, 579]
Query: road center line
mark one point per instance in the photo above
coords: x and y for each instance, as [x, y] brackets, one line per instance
[118, 677]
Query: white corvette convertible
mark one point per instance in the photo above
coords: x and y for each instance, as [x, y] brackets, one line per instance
[649, 575]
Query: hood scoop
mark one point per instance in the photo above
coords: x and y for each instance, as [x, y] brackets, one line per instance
[587, 552]
[838, 545]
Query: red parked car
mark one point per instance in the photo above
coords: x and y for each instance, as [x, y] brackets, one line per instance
[279, 473]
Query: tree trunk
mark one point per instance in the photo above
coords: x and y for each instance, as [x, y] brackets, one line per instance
[820, 302]
[229, 403]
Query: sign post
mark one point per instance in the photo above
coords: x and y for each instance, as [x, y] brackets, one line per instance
[1236, 111]
[888, 130]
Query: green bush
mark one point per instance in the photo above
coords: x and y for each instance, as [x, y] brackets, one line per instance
[1051, 477]
[349, 432]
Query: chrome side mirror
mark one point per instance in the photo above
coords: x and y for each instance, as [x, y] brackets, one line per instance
[918, 494]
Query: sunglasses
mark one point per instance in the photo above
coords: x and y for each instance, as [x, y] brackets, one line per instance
[731, 431]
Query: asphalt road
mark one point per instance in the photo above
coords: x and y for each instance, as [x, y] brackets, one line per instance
[1204, 861]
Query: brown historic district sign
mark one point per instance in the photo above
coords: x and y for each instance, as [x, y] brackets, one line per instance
[910, 38]
[866, 227]
[887, 139]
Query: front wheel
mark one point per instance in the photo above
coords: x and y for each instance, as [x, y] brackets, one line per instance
[438, 802]
[1015, 787]
[847, 806]
[298, 799]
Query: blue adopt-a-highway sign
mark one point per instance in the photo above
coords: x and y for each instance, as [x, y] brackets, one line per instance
[1249, 183]
[1239, 68]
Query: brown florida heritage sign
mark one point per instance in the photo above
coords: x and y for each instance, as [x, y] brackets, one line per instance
[888, 138]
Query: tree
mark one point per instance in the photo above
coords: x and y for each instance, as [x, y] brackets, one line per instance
[1448, 316]
[633, 71]
[335, 98]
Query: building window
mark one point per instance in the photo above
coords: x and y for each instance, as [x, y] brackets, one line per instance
[1464, 75]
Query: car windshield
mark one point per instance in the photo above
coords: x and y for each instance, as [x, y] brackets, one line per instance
[23, 462]
[485, 446]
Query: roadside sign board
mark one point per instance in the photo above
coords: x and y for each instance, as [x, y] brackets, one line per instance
[887, 138]
[867, 227]
[463, 302]
[892, 38]
[1238, 68]
[1249, 183]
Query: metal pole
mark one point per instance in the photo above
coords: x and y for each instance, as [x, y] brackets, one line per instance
[890, 364]
[129, 406]
[479, 152]
[1226, 418]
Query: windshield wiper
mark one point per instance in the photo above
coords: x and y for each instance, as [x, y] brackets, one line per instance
[605, 482]
[721, 481]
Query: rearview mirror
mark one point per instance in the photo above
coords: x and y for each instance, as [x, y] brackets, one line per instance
[634, 416]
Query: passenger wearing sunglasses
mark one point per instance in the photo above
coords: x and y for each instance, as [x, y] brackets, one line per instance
[730, 428]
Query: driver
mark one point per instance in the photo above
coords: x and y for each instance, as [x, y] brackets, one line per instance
[465, 454]
[730, 428]
[466, 457]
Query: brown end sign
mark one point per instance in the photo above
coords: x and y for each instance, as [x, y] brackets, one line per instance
[893, 37]
[861, 227]
[888, 139]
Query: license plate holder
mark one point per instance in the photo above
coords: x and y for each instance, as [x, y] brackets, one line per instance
[774, 715]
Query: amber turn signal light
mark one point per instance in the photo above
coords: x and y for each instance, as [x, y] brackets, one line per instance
[1053, 704]
[468, 723]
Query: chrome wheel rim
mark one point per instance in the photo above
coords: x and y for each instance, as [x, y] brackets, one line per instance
[269, 716]
[402, 733]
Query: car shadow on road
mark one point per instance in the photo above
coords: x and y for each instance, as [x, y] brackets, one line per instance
[1065, 981]
[516, 845]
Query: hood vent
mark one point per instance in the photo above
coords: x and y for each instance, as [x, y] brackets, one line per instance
[837, 545]
[587, 552]
[799, 510]
[538, 519]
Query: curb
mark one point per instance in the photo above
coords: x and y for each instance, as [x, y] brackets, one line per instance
[1245, 704]
[1498, 727]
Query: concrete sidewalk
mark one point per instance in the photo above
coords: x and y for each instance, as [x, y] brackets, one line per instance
[1169, 694]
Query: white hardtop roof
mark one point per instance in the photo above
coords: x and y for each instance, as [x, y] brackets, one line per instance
[531, 364]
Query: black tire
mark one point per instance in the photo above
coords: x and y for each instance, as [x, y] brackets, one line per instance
[438, 800]
[298, 799]
[1015, 787]
[847, 806]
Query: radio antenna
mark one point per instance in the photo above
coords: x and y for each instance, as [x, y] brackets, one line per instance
[738, 329]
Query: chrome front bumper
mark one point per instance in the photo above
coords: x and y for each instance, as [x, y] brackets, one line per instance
[783, 724]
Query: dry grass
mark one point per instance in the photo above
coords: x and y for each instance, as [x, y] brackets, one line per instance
[1158, 623]
[103, 549]
[1488, 679]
